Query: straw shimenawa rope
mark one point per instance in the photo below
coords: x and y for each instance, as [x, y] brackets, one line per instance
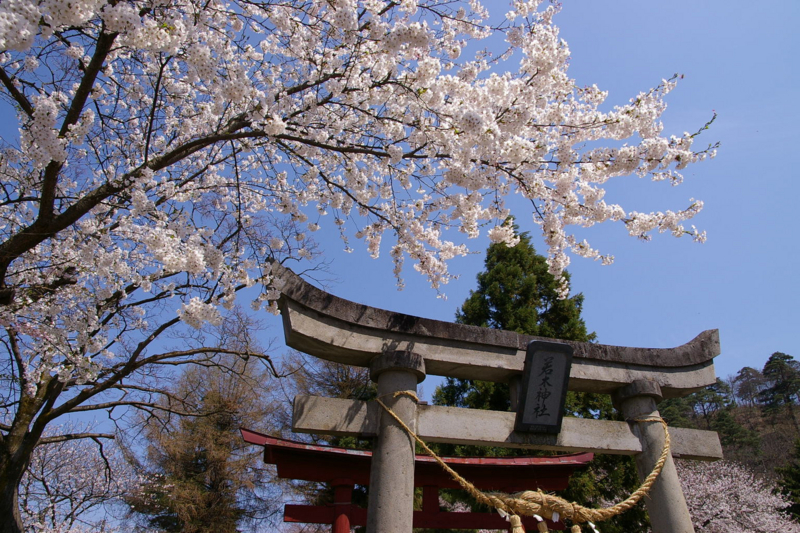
[530, 503]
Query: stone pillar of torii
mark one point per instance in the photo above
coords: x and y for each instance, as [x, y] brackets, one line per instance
[400, 350]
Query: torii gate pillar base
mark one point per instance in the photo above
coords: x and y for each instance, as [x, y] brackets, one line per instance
[391, 490]
[665, 502]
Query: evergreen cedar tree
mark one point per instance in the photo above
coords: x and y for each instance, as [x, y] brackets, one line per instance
[166, 154]
[516, 292]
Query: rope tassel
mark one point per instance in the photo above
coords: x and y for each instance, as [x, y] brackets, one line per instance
[516, 524]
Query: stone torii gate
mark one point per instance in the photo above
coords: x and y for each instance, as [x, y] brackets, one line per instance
[401, 349]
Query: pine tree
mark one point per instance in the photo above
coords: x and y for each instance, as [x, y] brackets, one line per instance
[707, 402]
[678, 412]
[782, 372]
[734, 437]
[516, 292]
[749, 383]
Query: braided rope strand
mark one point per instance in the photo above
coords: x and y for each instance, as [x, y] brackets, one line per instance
[528, 503]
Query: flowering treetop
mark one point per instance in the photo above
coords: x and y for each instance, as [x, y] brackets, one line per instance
[169, 152]
[726, 496]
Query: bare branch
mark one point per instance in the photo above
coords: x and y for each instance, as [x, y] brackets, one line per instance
[16, 94]
[75, 436]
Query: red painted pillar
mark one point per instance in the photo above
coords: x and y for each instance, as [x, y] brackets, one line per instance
[430, 499]
[342, 503]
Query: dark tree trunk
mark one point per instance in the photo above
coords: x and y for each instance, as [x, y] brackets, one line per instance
[16, 450]
[10, 478]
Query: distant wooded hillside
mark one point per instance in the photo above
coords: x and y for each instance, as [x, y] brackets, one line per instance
[756, 414]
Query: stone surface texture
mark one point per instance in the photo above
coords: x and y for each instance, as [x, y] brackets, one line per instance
[396, 360]
[391, 503]
[665, 502]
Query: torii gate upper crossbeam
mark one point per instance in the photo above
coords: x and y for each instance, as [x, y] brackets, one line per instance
[332, 328]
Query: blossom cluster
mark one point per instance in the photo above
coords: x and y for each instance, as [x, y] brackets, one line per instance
[170, 152]
[68, 482]
[726, 496]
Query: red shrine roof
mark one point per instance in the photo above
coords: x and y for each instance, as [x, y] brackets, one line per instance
[311, 462]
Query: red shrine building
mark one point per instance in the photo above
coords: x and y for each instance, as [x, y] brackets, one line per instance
[344, 468]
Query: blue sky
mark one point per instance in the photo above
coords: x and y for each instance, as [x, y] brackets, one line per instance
[739, 59]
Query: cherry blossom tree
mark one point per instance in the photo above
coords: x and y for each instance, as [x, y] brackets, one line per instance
[726, 496]
[68, 482]
[170, 153]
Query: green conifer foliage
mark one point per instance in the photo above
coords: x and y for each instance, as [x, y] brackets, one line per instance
[712, 408]
[708, 401]
[515, 293]
[733, 435]
[789, 481]
[678, 412]
[782, 372]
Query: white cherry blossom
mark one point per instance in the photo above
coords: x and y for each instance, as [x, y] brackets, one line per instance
[726, 496]
[170, 152]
